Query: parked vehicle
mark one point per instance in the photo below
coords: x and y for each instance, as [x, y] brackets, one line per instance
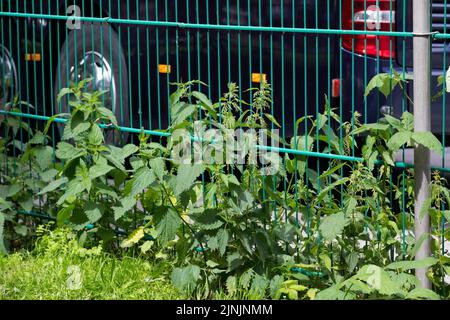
[160, 42]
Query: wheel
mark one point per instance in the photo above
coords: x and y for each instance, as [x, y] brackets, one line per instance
[94, 51]
[8, 76]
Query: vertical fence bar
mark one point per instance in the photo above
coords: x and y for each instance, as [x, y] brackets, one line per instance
[422, 99]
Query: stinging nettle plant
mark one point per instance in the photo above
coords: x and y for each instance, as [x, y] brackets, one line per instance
[233, 229]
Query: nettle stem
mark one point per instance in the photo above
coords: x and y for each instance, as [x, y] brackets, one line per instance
[185, 222]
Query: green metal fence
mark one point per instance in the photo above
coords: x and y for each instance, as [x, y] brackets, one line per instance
[304, 49]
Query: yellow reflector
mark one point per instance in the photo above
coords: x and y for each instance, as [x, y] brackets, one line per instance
[33, 57]
[164, 68]
[259, 77]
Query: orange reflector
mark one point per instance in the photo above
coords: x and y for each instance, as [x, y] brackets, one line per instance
[259, 77]
[33, 57]
[164, 68]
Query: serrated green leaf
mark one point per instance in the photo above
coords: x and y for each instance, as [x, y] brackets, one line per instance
[275, 285]
[66, 151]
[332, 226]
[222, 240]
[378, 279]
[186, 176]
[185, 112]
[272, 119]
[63, 92]
[38, 138]
[384, 82]
[126, 205]
[398, 140]
[93, 211]
[21, 230]
[107, 114]
[53, 186]
[2, 234]
[48, 175]
[99, 170]
[205, 103]
[146, 246]
[428, 140]
[208, 219]
[422, 293]
[409, 265]
[141, 180]
[231, 285]
[157, 165]
[95, 135]
[185, 279]
[133, 238]
[167, 223]
[387, 157]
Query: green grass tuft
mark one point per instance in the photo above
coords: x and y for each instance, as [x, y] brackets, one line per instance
[60, 269]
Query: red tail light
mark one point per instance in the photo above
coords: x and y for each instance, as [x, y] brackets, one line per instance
[366, 15]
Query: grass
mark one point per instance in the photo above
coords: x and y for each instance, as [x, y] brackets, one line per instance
[60, 269]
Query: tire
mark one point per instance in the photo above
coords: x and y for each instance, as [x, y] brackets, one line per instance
[8, 76]
[98, 46]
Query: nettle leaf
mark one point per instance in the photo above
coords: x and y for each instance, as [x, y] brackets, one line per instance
[141, 180]
[127, 151]
[208, 220]
[428, 140]
[185, 279]
[398, 140]
[93, 211]
[372, 127]
[107, 114]
[44, 157]
[167, 223]
[378, 279]
[182, 113]
[99, 170]
[387, 157]
[384, 82]
[394, 122]
[2, 234]
[127, 204]
[38, 139]
[66, 151]
[21, 230]
[74, 188]
[409, 265]
[53, 186]
[187, 175]
[157, 165]
[275, 286]
[231, 285]
[133, 238]
[272, 119]
[222, 240]
[332, 293]
[332, 226]
[205, 103]
[10, 190]
[95, 135]
[80, 127]
[422, 293]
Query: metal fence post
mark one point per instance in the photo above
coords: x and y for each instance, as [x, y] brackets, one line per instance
[422, 98]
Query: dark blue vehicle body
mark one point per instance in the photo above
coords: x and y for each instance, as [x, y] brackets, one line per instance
[301, 67]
